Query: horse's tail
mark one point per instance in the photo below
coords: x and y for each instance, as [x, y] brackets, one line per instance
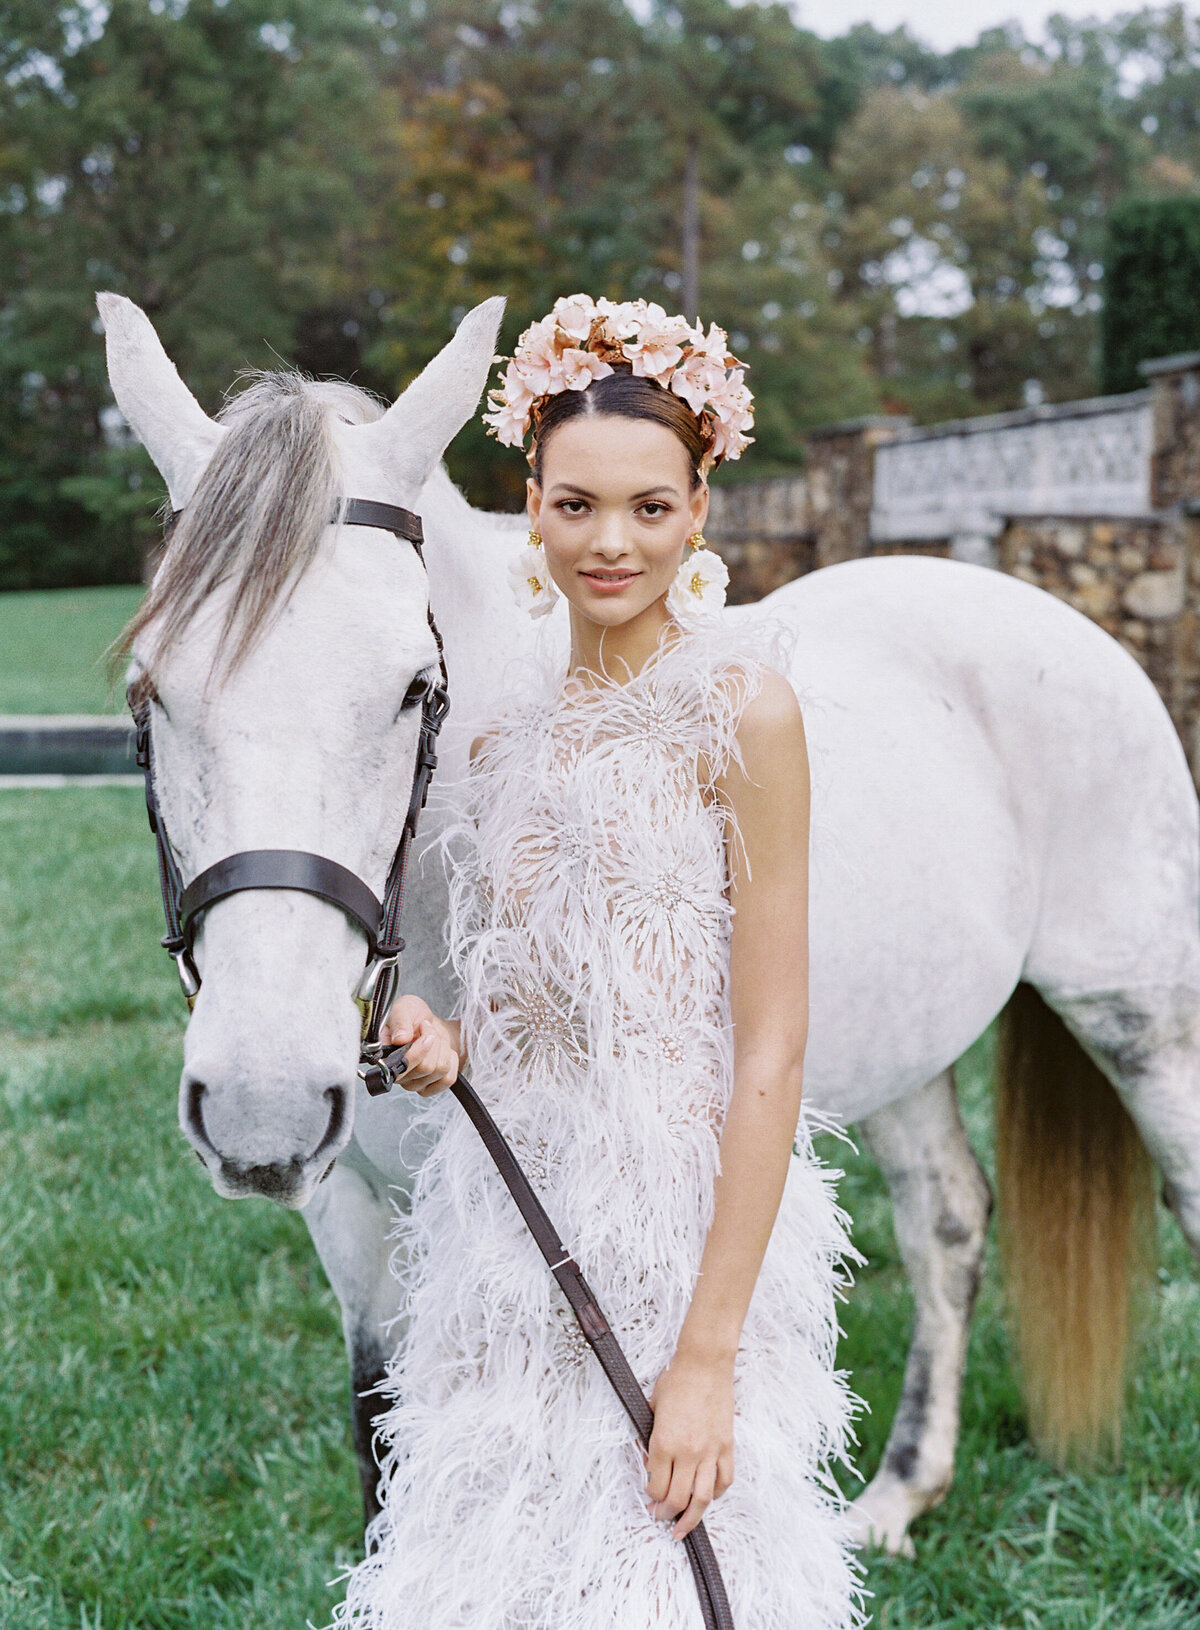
[1076, 1206]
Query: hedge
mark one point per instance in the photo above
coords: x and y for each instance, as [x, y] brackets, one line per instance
[1152, 286]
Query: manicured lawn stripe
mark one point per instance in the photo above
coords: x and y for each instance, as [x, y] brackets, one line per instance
[52, 645]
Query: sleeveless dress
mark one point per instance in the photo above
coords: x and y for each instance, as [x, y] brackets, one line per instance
[590, 927]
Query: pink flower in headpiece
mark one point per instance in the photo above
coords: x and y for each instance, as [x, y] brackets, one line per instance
[658, 348]
[539, 359]
[697, 380]
[579, 368]
[574, 314]
[714, 346]
[621, 318]
[509, 420]
[674, 353]
[510, 406]
[517, 393]
[731, 411]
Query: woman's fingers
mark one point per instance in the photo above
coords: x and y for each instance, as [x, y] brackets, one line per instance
[679, 1495]
[404, 1016]
[431, 1063]
[683, 1490]
[702, 1495]
[658, 1478]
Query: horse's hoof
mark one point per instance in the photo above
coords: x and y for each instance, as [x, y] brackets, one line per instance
[880, 1532]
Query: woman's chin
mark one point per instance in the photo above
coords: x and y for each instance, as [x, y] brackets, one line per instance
[609, 608]
[612, 610]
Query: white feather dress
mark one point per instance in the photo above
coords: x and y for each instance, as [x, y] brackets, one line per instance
[590, 927]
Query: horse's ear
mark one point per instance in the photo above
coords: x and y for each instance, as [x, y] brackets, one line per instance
[416, 430]
[166, 418]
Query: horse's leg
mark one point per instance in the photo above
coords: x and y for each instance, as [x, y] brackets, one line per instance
[942, 1202]
[1146, 1040]
[349, 1218]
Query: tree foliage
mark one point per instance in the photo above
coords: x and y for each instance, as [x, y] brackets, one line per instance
[1153, 275]
[333, 182]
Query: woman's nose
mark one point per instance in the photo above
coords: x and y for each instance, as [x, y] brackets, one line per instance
[610, 538]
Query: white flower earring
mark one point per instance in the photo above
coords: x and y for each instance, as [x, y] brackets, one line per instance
[699, 584]
[530, 579]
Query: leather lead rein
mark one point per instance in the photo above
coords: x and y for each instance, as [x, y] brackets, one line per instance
[380, 923]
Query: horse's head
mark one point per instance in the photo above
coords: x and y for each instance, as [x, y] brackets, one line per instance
[286, 659]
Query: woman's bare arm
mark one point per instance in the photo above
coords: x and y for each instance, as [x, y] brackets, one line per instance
[691, 1451]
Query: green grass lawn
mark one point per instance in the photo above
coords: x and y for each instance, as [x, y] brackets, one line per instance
[174, 1446]
[52, 646]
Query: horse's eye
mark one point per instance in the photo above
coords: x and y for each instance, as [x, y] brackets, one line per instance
[141, 690]
[419, 688]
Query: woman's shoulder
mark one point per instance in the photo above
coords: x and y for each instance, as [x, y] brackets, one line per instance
[773, 708]
[737, 671]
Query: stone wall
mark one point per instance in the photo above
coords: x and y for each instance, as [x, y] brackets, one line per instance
[841, 475]
[1097, 502]
[1138, 578]
[765, 532]
[771, 531]
[1175, 461]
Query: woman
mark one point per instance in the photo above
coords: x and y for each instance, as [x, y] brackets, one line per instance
[628, 871]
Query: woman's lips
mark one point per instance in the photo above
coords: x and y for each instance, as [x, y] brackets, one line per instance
[610, 583]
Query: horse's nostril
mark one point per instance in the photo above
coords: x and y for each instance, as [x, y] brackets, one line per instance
[338, 1100]
[194, 1117]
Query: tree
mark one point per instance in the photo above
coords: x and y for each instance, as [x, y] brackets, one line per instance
[199, 159]
[938, 253]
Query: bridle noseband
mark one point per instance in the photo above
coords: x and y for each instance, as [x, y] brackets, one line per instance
[298, 868]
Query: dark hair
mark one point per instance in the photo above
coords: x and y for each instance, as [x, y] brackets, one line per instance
[622, 395]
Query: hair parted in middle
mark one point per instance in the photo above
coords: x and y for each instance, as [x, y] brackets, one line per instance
[625, 396]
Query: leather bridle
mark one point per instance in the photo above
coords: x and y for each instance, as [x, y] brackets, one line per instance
[379, 1069]
[300, 869]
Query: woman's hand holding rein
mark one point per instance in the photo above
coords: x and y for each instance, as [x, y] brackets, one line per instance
[434, 1045]
[691, 1447]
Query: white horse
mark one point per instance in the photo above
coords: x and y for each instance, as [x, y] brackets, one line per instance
[1001, 809]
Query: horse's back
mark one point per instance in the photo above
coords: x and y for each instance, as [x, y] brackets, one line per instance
[998, 792]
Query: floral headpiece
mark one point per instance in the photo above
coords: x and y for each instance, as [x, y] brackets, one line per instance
[584, 339]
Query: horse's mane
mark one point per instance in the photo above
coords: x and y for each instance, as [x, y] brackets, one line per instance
[258, 512]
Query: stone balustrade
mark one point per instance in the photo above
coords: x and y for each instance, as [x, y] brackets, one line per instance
[962, 481]
[1097, 502]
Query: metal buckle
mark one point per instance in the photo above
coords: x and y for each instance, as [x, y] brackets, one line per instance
[189, 978]
[367, 988]
[377, 1072]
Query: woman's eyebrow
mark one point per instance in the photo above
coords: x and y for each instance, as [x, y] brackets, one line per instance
[635, 498]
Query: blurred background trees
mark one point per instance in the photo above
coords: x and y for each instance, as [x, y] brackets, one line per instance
[879, 226]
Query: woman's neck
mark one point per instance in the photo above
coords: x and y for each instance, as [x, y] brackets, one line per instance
[604, 655]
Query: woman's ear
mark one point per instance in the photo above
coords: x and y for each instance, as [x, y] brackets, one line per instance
[533, 501]
[699, 506]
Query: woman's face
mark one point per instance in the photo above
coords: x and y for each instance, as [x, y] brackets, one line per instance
[615, 508]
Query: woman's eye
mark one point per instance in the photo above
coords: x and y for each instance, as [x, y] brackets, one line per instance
[654, 509]
[572, 506]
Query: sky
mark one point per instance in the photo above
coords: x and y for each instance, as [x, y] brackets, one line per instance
[945, 23]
